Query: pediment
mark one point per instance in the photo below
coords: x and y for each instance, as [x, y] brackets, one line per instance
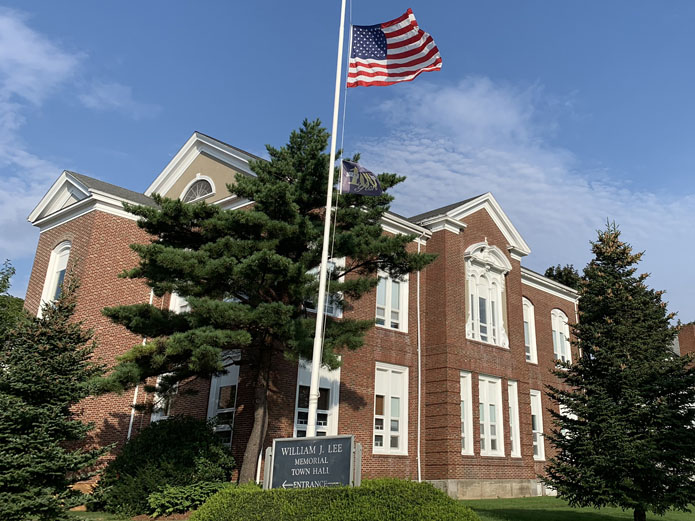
[202, 157]
[454, 219]
[66, 191]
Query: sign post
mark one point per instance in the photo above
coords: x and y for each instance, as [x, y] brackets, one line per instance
[322, 461]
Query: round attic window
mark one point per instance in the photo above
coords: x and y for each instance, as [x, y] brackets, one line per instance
[198, 190]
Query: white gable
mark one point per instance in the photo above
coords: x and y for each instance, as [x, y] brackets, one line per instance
[199, 143]
[66, 191]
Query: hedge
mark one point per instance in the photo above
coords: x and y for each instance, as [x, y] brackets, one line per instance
[377, 500]
[175, 500]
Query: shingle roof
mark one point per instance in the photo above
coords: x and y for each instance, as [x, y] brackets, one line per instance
[117, 191]
[440, 211]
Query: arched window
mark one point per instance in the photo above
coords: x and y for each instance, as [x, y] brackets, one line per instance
[486, 267]
[55, 275]
[529, 331]
[200, 189]
[561, 336]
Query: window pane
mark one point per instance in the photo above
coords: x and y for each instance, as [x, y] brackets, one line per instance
[482, 412]
[322, 419]
[527, 339]
[381, 292]
[226, 397]
[482, 310]
[394, 425]
[394, 442]
[225, 436]
[394, 319]
[379, 405]
[302, 417]
[378, 424]
[493, 414]
[493, 444]
[378, 441]
[303, 398]
[59, 284]
[301, 434]
[324, 399]
[395, 295]
[395, 407]
[534, 423]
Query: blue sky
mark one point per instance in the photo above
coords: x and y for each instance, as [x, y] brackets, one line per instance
[571, 113]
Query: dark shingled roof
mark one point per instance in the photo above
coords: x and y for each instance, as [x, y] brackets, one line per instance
[117, 191]
[440, 211]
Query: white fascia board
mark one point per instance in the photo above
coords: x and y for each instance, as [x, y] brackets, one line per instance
[547, 285]
[96, 201]
[195, 145]
[398, 226]
[47, 199]
[490, 204]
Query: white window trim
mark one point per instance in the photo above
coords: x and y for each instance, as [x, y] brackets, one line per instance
[537, 410]
[232, 369]
[328, 380]
[530, 318]
[486, 263]
[403, 430]
[198, 177]
[62, 251]
[499, 415]
[337, 310]
[559, 326]
[178, 304]
[403, 303]
[515, 435]
[466, 414]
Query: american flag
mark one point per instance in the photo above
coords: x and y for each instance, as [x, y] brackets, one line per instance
[391, 52]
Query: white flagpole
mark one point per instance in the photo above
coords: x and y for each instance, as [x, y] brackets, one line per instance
[320, 307]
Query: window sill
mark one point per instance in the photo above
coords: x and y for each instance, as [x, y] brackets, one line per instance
[395, 454]
[532, 363]
[539, 460]
[484, 343]
[387, 328]
[492, 455]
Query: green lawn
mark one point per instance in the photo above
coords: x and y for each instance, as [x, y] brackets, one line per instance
[96, 516]
[552, 509]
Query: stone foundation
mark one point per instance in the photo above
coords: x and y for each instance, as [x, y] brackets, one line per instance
[491, 488]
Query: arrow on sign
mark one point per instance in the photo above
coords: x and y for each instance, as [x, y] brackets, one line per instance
[285, 485]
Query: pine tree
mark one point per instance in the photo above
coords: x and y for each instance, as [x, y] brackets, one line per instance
[46, 366]
[626, 436]
[11, 308]
[247, 275]
[566, 275]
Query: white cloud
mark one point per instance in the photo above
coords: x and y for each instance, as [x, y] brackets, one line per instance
[115, 96]
[478, 136]
[31, 69]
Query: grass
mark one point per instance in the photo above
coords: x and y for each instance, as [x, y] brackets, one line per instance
[553, 509]
[95, 516]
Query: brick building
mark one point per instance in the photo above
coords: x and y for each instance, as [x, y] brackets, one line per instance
[474, 327]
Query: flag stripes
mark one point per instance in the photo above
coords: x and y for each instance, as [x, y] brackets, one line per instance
[391, 52]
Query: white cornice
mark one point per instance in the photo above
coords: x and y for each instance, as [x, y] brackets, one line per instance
[65, 178]
[535, 280]
[198, 143]
[443, 222]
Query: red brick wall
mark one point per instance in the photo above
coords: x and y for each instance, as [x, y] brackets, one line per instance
[686, 339]
[100, 251]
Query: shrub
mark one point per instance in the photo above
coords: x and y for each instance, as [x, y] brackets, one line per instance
[172, 500]
[178, 451]
[382, 500]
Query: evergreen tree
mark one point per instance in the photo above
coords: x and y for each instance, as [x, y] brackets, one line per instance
[45, 368]
[566, 275]
[626, 435]
[247, 275]
[11, 308]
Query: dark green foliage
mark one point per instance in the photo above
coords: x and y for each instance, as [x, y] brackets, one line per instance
[566, 275]
[378, 500]
[46, 370]
[181, 499]
[629, 440]
[245, 273]
[11, 308]
[178, 451]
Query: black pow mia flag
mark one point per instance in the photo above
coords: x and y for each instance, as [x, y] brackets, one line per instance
[358, 180]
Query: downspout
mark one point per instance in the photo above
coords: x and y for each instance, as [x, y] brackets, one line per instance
[419, 371]
[137, 387]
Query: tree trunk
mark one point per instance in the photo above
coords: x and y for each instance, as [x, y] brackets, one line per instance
[260, 420]
[640, 514]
